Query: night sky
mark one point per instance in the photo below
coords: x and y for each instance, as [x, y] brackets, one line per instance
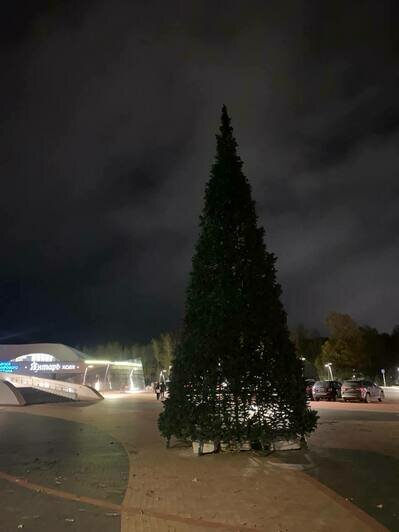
[108, 112]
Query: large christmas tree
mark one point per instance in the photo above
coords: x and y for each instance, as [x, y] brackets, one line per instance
[235, 375]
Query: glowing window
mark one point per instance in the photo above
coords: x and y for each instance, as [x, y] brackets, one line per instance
[35, 357]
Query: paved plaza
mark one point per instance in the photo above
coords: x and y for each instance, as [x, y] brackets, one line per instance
[69, 466]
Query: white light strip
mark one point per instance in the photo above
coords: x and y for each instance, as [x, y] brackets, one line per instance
[114, 363]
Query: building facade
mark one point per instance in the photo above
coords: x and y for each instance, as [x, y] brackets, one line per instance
[64, 363]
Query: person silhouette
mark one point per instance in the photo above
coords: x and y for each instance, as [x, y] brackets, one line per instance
[157, 390]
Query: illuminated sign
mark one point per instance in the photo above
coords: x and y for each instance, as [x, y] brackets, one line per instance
[8, 367]
[57, 366]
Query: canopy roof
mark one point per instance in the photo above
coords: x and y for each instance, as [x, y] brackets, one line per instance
[60, 352]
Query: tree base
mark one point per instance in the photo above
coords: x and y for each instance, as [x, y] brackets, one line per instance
[286, 445]
[233, 446]
[200, 448]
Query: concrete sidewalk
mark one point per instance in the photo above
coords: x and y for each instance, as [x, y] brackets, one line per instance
[173, 490]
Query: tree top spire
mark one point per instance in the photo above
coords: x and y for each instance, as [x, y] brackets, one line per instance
[226, 143]
[225, 128]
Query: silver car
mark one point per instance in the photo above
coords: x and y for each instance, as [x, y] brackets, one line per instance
[361, 390]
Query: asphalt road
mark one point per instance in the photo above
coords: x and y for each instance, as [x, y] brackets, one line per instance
[65, 456]
[355, 452]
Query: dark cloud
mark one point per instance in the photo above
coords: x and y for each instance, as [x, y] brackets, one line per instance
[108, 115]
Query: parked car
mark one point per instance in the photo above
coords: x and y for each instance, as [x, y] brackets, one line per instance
[327, 390]
[309, 387]
[361, 390]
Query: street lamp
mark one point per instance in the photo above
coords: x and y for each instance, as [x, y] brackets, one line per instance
[303, 359]
[328, 365]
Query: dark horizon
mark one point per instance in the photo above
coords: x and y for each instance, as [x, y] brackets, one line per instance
[109, 115]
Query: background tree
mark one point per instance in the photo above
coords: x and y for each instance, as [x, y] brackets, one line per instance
[375, 349]
[307, 344]
[150, 365]
[163, 349]
[344, 348]
[299, 337]
[393, 362]
[307, 347]
[110, 351]
[235, 375]
[382, 353]
[156, 349]
[168, 343]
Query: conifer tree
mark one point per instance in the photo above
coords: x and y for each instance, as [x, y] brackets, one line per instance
[235, 375]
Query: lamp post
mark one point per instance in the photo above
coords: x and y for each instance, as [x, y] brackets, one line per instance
[329, 367]
[85, 374]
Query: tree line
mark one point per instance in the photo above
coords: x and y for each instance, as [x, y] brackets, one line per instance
[353, 350]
